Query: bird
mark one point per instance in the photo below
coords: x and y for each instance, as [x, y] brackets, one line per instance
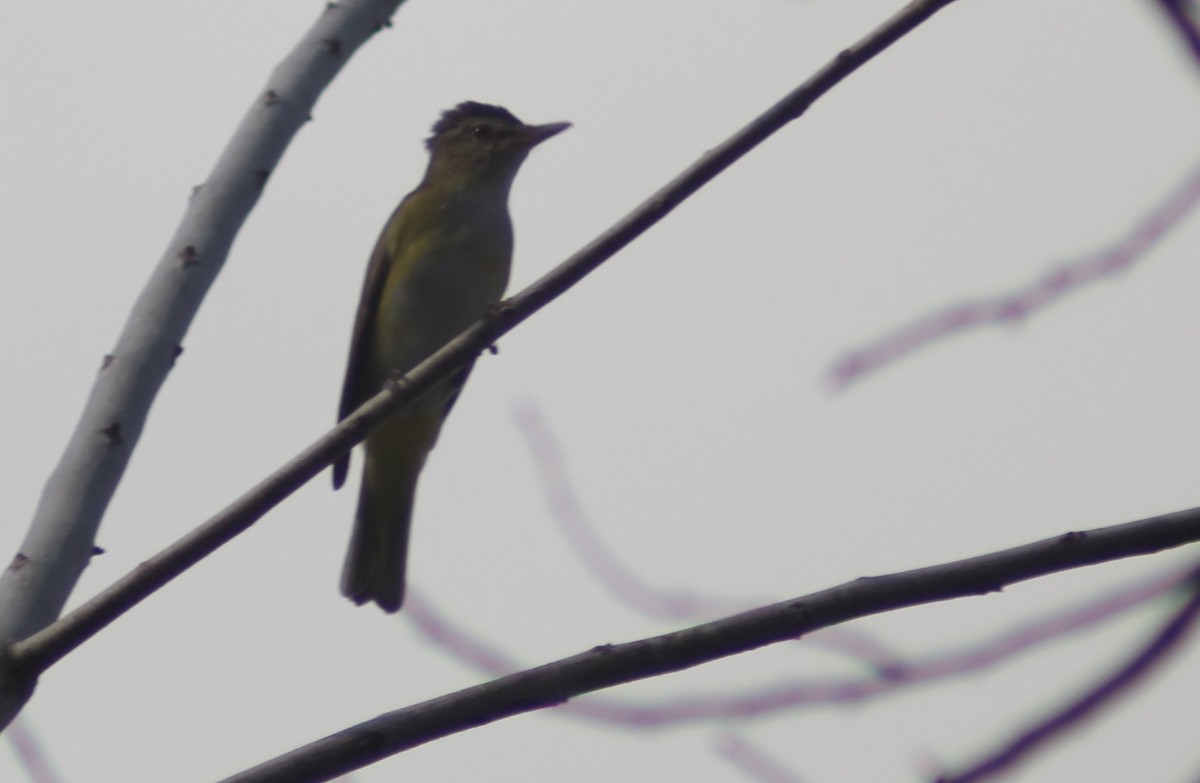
[440, 264]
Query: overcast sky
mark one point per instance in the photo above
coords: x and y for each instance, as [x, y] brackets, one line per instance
[685, 382]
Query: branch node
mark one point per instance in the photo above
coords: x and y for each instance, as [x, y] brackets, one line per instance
[112, 433]
[398, 382]
[188, 256]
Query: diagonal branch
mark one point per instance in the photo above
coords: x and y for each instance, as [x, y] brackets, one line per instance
[1146, 660]
[1018, 305]
[627, 586]
[31, 755]
[34, 588]
[752, 761]
[609, 665]
[1185, 17]
[36, 653]
[792, 694]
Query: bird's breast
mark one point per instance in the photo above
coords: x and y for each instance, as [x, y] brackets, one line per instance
[439, 284]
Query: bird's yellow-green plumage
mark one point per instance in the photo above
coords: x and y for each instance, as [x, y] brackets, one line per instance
[440, 263]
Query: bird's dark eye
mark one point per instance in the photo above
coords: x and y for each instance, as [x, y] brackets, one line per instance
[482, 132]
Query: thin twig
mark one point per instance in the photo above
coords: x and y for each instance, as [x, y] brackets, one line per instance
[1185, 18]
[1021, 304]
[1147, 659]
[627, 586]
[593, 553]
[753, 761]
[30, 753]
[453, 640]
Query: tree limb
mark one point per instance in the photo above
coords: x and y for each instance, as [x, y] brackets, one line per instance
[60, 539]
[609, 665]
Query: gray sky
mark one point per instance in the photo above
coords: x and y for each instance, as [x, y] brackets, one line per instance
[684, 381]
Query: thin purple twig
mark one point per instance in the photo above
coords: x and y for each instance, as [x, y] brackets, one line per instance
[29, 751]
[1024, 302]
[1185, 17]
[622, 582]
[441, 632]
[751, 760]
[1147, 659]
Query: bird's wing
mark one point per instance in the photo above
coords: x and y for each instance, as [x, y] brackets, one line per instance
[354, 391]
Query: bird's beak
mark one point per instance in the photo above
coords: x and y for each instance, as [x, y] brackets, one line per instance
[535, 134]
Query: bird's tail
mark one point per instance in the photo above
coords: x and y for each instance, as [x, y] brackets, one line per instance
[375, 563]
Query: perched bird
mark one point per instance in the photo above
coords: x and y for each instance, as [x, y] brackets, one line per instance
[440, 263]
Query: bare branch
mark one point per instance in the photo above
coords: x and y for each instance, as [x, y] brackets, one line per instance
[609, 665]
[455, 641]
[38, 652]
[1184, 16]
[785, 694]
[1166, 641]
[60, 539]
[30, 753]
[627, 586]
[752, 761]
[1018, 305]
[597, 558]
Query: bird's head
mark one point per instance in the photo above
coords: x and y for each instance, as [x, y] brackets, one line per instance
[476, 143]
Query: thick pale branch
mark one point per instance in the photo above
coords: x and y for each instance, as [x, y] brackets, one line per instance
[39, 652]
[36, 585]
[59, 542]
[609, 665]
